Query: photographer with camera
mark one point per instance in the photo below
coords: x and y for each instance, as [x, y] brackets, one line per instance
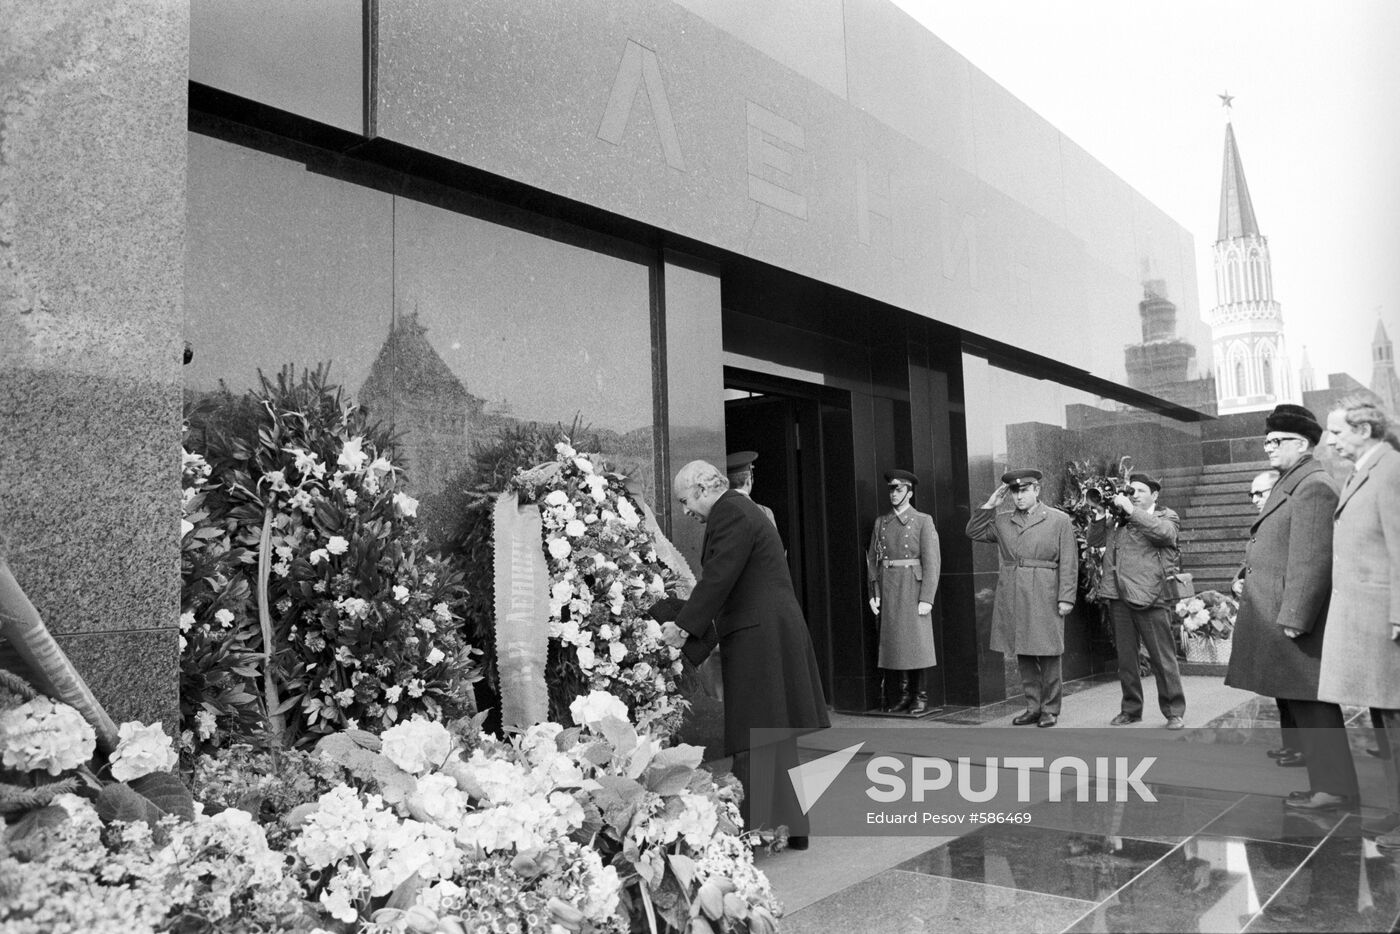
[1141, 551]
[1037, 581]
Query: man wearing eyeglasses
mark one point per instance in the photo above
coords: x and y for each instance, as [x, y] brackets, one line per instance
[1279, 631]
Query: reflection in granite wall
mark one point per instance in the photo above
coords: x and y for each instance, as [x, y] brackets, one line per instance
[91, 243]
[452, 328]
[1020, 421]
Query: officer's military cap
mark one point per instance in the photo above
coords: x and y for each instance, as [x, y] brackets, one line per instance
[1021, 478]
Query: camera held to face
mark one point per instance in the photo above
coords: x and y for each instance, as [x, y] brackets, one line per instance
[1102, 490]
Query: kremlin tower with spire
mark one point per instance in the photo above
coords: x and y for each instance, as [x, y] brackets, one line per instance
[1252, 370]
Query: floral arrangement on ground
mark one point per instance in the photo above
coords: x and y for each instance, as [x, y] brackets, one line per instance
[426, 828]
[1208, 615]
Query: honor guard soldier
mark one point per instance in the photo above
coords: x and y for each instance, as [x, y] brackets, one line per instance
[903, 563]
[1036, 585]
[739, 467]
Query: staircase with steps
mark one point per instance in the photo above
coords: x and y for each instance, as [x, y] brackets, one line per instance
[1216, 514]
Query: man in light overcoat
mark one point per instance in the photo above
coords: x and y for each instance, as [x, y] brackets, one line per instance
[1037, 580]
[902, 564]
[1281, 625]
[1361, 657]
[744, 605]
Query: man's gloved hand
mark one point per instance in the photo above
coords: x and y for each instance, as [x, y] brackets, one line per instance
[925, 608]
[875, 605]
[674, 635]
[1064, 608]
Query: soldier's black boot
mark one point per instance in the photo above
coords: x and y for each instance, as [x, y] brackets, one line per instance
[906, 700]
[920, 703]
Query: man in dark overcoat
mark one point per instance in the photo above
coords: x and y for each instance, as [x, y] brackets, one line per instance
[1037, 581]
[744, 605]
[1280, 627]
[1141, 551]
[902, 564]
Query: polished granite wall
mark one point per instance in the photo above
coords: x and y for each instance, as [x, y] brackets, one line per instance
[92, 222]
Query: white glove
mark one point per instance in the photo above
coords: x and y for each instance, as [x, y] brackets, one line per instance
[925, 608]
[875, 605]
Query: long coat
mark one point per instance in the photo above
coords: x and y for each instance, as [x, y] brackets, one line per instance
[1287, 575]
[1360, 662]
[906, 638]
[1039, 569]
[744, 604]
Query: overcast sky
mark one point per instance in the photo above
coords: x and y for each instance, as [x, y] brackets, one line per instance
[1316, 117]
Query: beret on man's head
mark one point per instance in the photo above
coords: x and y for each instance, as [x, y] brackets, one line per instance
[1147, 480]
[739, 461]
[1021, 477]
[1296, 420]
[901, 476]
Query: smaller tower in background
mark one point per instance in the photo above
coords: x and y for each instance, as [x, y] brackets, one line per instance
[1307, 379]
[1384, 382]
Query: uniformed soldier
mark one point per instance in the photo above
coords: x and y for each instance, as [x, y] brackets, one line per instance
[903, 563]
[739, 467]
[1036, 585]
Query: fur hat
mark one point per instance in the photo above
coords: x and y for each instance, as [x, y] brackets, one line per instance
[1296, 420]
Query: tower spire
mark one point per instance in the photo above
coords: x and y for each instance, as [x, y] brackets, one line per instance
[1236, 208]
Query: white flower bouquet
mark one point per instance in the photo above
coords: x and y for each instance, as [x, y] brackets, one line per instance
[605, 573]
[1208, 615]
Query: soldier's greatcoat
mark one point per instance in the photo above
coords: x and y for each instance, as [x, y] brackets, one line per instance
[902, 565]
[1039, 569]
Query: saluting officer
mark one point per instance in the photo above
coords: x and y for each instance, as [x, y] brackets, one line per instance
[1036, 586]
[903, 563]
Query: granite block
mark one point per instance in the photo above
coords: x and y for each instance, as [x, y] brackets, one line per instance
[905, 903]
[134, 674]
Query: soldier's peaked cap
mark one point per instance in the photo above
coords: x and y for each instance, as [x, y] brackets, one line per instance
[1021, 477]
[739, 460]
[901, 476]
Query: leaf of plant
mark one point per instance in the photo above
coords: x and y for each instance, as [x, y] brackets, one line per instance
[404, 897]
[120, 802]
[25, 837]
[166, 792]
[684, 868]
[688, 756]
[364, 739]
[618, 798]
[668, 779]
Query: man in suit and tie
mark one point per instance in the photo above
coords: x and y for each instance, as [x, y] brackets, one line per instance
[1361, 657]
[1279, 632]
[744, 605]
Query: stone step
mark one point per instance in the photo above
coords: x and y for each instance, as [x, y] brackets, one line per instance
[1214, 559]
[1196, 534]
[1242, 510]
[1236, 497]
[1225, 480]
[1237, 467]
[1239, 521]
[1231, 545]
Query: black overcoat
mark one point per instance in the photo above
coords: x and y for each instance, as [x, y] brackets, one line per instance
[1287, 581]
[744, 604]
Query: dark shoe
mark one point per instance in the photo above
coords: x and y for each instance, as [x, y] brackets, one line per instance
[1375, 826]
[1176, 723]
[1294, 761]
[1389, 841]
[1299, 795]
[798, 843]
[1282, 752]
[1374, 752]
[1026, 719]
[1047, 719]
[1318, 801]
[905, 702]
[1123, 719]
[920, 704]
